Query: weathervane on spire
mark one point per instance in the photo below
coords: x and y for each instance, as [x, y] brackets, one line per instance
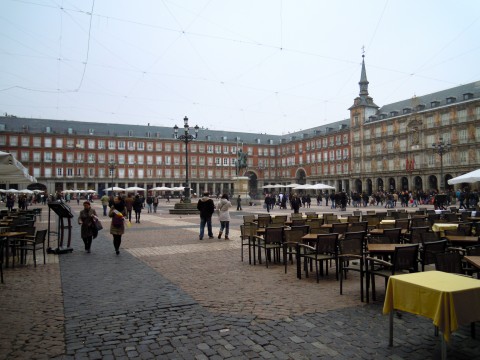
[363, 50]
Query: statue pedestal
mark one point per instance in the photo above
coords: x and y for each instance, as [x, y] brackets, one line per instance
[240, 186]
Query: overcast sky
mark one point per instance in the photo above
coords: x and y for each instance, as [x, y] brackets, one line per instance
[267, 66]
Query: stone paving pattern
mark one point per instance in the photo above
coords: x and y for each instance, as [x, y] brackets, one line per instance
[170, 296]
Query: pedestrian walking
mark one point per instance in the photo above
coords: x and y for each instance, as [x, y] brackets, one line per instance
[155, 203]
[150, 204]
[206, 207]
[117, 226]
[239, 203]
[105, 200]
[137, 208]
[85, 219]
[223, 207]
[129, 205]
[295, 203]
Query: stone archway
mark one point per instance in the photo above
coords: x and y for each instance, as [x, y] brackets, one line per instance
[380, 184]
[301, 177]
[418, 183]
[369, 187]
[392, 184]
[404, 182]
[432, 182]
[358, 186]
[37, 186]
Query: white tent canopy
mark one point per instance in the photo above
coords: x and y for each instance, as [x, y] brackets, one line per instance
[471, 177]
[12, 170]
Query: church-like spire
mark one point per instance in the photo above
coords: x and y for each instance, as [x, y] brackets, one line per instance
[363, 79]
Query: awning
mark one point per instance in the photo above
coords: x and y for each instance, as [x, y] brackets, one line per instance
[12, 170]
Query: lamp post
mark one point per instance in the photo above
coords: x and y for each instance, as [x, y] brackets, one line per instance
[186, 138]
[441, 148]
[112, 166]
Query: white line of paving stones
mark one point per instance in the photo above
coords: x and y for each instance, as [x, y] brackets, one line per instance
[218, 245]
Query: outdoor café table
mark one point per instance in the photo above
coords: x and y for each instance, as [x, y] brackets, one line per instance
[441, 227]
[384, 249]
[473, 260]
[450, 300]
[460, 240]
[380, 231]
[387, 221]
[8, 236]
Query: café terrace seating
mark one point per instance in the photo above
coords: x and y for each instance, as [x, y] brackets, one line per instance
[324, 250]
[351, 257]
[271, 243]
[24, 245]
[344, 245]
[292, 237]
[405, 260]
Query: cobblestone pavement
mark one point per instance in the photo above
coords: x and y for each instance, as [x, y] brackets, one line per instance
[170, 296]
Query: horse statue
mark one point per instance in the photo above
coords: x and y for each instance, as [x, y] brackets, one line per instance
[241, 161]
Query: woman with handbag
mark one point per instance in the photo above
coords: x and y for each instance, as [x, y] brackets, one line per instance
[117, 227]
[223, 207]
[85, 219]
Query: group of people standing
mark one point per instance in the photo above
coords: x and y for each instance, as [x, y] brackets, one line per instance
[207, 208]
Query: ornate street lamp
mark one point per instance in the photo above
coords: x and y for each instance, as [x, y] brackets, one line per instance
[186, 138]
[112, 166]
[441, 148]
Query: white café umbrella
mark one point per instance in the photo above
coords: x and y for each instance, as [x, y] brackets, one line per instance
[134, 189]
[303, 187]
[278, 186]
[178, 188]
[91, 192]
[161, 188]
[292, 185]
[25, 191]
[114, 188]
[320, 186]
[11, 191]
[269, 186]
[471, 177]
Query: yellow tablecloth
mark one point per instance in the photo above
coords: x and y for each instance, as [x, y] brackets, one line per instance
[449, 300]
[441, 227]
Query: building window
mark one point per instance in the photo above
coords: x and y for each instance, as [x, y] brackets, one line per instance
[462, 115]
[101, 144]
[13, 140]
[445, 119]
[47, 142]
[131, 145]
[158, 146]
[37, 142]
[25, 156]
[140, 146]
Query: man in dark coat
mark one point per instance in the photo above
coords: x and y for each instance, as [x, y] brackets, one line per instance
[206, 207]
[295, 203]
